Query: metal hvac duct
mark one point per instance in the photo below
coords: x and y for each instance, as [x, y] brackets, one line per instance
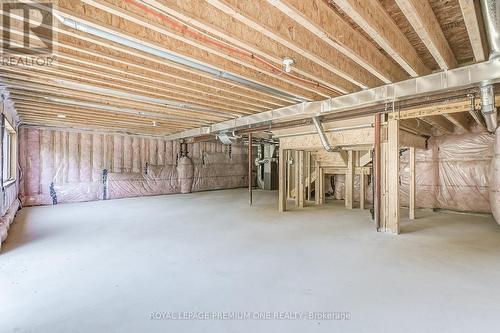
[491, 16]
[322, 135]
[488, 108]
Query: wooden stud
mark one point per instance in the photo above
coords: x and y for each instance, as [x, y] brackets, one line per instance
[301, 185]
[349, 180]
[362, 191]
[309, 175]
[296, 169]
[413, 185]
[393, 176]
[321, 186]
[282, 197]
[317, 184]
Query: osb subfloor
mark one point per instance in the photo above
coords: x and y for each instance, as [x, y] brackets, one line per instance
[106, 266]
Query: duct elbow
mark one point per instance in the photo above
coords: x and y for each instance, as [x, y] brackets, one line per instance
[488, 108]
[322, 135]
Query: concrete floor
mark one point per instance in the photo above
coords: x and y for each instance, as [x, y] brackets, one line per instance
[106, 266]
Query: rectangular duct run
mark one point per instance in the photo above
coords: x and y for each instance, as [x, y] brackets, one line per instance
[74, 162]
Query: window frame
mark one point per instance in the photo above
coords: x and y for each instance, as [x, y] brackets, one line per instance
[11, 158]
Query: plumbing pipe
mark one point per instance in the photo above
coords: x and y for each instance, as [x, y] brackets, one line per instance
[322, 135]
[488, 108]
[250, 168]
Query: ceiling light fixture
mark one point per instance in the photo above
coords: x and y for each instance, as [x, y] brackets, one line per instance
[61, 116]
[287, 64]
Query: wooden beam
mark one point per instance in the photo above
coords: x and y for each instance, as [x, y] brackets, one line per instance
[413, 185]
[377, 23]
[349, 180]
[470, 10]
[392, 180]
[274, 24]
[282, 197]
[423, 20]
[318, 18]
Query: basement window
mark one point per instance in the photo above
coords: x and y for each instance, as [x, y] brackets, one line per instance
[9, 153]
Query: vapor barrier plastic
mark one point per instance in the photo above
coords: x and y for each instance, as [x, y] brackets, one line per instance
[72, 163]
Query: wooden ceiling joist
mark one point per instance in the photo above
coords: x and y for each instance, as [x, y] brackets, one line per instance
[440, 123]
[317, 17]
[201, 15]
[423, 20]
[459, 119]
[376, 22]
[470, 10]
[93, 51]
[148, 33]
[164, 66]
[263, 17]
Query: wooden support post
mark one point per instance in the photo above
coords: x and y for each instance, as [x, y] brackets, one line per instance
[317, 184]
[349, 180]
[321, 186]
[308, 175]
[296, 163]
[282, 190]
[393, 176]
[250, 163]
[362, 190]
[301, 186]
[413, 184]
[288, 174]
[377, 172]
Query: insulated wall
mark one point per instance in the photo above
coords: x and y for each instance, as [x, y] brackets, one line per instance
[67, 166]
[453, 173]
[9, 203]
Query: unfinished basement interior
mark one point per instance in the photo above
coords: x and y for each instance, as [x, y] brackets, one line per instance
[250, 166]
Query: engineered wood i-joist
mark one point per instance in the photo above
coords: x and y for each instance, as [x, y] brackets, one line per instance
[372, 17]
[202, 15]
[318, 18]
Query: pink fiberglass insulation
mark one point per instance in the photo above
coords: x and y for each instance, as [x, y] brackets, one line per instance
[137, 166]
